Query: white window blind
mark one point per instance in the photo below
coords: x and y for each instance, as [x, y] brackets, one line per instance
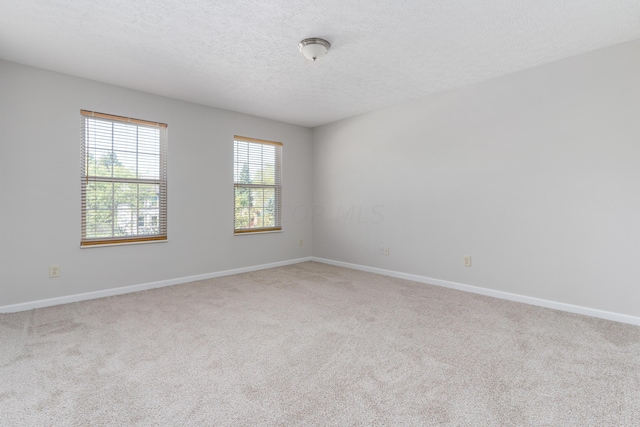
[257, 172]
[124, 179]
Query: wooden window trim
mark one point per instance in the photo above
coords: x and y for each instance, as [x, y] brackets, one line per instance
[259, 141]
[122, 119]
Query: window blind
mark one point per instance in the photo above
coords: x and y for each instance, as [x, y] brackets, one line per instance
[124, 179]
[257, 173]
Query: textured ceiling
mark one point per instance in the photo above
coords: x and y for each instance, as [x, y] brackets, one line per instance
[242, 55]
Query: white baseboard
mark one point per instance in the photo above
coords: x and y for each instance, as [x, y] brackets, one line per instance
[142, 287]
[608, 315]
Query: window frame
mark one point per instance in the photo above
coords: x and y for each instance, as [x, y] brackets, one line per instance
[161, 181]
[276, 186]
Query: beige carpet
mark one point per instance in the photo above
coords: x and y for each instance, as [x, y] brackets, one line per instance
[312, 344]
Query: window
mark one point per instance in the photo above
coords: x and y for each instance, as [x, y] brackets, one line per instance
[124, 179]
[257, 182]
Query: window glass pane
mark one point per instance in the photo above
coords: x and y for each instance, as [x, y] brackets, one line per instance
[125, 137]
[242, 218]
[254, 163]
[148, 208]
[99, 212]
[123, 164]
[148, 166]
[148, 140]
[263, 207]
[242, 205]
[99, 134]
[99, 195]
[99, 223]
[101, 163]
[91, 164]
[126, 211]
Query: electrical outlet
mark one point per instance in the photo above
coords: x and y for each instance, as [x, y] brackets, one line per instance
[386, 251]
[467, 261]
[54, 271]
[301, 242]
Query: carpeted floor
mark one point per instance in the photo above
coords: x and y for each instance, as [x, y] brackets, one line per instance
[312, 344]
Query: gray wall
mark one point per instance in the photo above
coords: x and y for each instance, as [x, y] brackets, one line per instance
[536, 175]
[40, 189]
